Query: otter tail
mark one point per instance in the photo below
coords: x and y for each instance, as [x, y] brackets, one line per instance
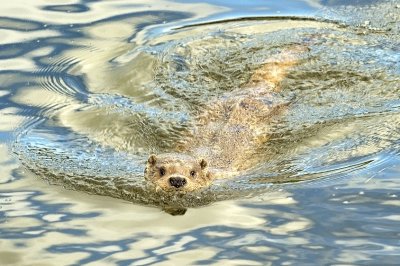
[274, 70]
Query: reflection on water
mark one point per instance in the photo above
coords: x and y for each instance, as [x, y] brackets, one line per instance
[89, 89]
[104, 113]
[315, 223]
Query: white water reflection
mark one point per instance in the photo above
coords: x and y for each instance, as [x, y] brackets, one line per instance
[347, 217]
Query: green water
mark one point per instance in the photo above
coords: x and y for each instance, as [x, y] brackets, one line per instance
[89, 89]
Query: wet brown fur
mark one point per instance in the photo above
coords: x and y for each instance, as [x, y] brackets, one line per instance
[160, 168]
[227, 131]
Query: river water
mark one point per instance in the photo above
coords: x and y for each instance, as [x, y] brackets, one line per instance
[88, 89]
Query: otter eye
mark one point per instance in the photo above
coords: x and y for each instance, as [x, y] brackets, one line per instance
[162, 171]
[192, 173]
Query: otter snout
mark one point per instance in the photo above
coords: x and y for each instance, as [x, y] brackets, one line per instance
[177, 181]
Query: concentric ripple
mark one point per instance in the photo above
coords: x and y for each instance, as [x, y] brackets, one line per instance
[106, 112]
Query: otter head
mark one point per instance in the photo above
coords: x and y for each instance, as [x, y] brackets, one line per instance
[177, 172]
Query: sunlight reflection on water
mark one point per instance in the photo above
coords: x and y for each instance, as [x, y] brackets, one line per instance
[88, 88]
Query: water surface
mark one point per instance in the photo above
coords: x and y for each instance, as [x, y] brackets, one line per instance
[90, 89]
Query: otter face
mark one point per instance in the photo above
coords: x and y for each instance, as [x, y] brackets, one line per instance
[177, 172]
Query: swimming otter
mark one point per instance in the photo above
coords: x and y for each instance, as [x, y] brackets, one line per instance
[226, 132]
[177, 171]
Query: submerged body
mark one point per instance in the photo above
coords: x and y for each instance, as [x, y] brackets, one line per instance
[226, 132]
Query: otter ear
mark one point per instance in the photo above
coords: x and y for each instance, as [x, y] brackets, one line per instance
[203, 163]
[152, 159]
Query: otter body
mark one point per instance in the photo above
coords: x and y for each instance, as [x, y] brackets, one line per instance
[231, 128]
[226, 132]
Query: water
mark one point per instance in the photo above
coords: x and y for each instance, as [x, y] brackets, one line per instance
[90, 89]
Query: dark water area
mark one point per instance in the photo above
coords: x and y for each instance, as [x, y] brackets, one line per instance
[88, 89]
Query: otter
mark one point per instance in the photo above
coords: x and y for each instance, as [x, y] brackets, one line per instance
[177, 171]
[225, 133]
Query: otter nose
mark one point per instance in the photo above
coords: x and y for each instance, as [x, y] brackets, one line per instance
[177, 181]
